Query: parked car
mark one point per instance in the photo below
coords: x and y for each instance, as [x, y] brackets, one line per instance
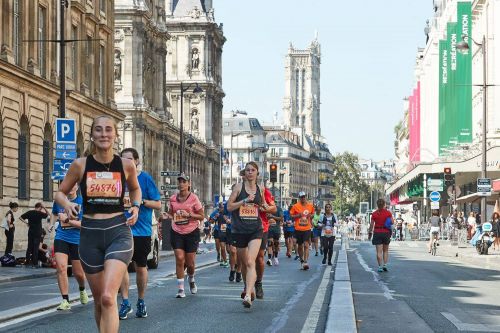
[154, 255]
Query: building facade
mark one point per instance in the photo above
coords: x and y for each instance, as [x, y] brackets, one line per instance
[147, 86]
[301, 104]
[29, 91]
[194, 58]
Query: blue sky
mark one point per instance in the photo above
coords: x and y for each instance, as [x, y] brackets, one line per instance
[368, 56]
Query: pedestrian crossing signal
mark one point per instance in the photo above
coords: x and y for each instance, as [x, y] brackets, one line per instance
[273, 173]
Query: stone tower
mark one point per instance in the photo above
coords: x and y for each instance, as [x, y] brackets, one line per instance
[301, 105]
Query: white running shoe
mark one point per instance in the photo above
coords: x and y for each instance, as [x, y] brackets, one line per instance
[276, 262]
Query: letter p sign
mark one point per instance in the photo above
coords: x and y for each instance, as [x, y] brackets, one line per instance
[65, 130]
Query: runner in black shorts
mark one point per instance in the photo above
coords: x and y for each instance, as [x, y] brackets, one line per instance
[273, 247]
[66, 247]
[244, 203]
[105, 235]
[142, 232]
[381, 234]
[186, 212]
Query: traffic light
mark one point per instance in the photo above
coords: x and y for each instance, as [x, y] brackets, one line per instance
[449, 179]
[273, 173]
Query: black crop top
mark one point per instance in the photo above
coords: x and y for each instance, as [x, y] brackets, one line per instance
[102, 186]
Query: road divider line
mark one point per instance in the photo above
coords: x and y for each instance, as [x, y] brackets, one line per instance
[382, 285]
[281, 319]
[313, 317]
[341, 315]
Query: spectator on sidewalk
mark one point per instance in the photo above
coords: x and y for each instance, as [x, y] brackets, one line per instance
[9, 232]
[495, 222]
[471, 225]
[34, 222]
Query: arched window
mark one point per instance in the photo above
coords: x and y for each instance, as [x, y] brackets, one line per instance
[47, 162]
[23, 160]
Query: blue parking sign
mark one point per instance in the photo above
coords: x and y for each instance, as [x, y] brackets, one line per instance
[65, 130]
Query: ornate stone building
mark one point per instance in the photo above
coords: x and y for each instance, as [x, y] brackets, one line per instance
[301, 105]
[29, 92]
[153, 39]
[194, 56]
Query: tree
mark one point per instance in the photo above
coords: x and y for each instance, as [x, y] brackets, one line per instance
[349, 189]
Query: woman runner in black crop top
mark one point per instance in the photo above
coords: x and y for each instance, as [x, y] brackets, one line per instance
[244, 204]
[106, 244]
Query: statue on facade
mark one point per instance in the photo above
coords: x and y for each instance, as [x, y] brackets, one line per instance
[194, 120]
[195, 58]
[118, 66]
[196, 13]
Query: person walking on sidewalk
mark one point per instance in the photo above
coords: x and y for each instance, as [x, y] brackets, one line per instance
[327, 224]
[141, 231]
[11, 229]
[34, 217]
[66, 244]
[186, 212]
[302, 213]
[106, 243]
[380, 234]
[495, 222]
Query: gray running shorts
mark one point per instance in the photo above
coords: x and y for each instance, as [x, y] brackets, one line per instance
[104, 239]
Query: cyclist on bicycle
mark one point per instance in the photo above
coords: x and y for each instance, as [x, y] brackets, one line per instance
[435, 222]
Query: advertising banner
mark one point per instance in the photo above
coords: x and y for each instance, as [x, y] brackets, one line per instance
[451, 91]
[463, 77]
[443, 84]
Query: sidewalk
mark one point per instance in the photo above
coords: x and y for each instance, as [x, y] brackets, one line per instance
[18, 273]
[468, 254]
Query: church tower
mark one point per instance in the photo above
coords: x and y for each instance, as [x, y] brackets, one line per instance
[301, 105]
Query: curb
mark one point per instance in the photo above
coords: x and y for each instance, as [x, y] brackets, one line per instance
[341, 315]
[51, 303]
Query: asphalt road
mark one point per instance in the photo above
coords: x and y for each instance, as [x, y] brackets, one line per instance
[291, 302]
[422, 293]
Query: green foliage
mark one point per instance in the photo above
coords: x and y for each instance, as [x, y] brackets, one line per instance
[348, 187]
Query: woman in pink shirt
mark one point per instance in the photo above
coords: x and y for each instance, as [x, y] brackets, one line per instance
[186, 212]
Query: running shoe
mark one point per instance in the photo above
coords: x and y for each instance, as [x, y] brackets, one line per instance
[244, 293]
[64, 306]
[247, 302]
[141, 310]
[329, 263]
[259, 292]
[276, 262]
[180, 294]
[84, 298]
[305, 265]
[380, 269]
[125, 309]
[316, 254]
[231, 276]
[384, 268]
[238, 277]
[296, 258]
[288, 255]
[323, 261]
[193, 287]
[269, 262]
[225, 264]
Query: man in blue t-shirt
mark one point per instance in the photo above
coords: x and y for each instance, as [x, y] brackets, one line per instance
[66, 244]
[222, 221]
[142, 238]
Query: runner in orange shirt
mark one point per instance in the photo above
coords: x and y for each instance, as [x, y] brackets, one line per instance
[302, 213]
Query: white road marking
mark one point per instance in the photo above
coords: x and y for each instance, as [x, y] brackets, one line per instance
[43, 285]
[313, 316]
[280, 320]
[6, 291]
[25, 318]
[387, 291]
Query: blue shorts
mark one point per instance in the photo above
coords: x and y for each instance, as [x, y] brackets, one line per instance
[316, 233]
